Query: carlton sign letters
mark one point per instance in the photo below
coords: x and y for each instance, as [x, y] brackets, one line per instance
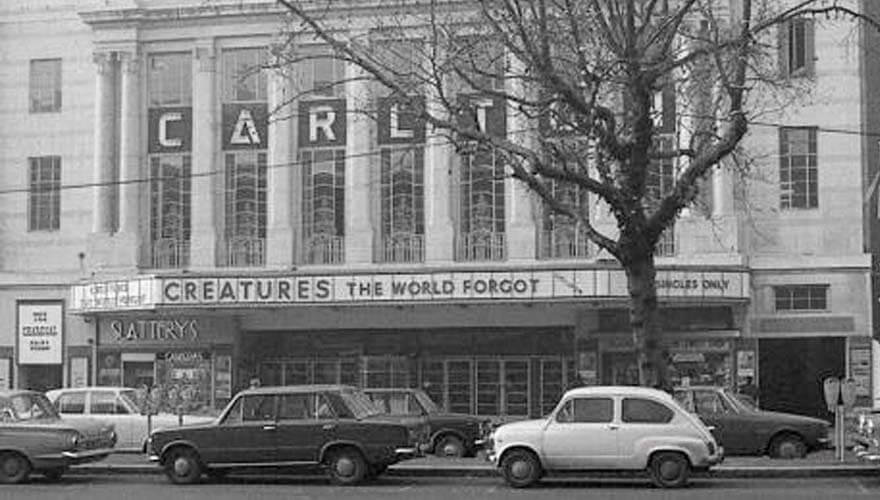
[163, 292]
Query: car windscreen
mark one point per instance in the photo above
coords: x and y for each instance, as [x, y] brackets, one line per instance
[27, 407]
[130, 397]
[741, 402]
[427, 403]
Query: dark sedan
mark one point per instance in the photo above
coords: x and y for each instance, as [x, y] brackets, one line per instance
[333, 426]
[33, 438]
[451, 434]
[743, 429]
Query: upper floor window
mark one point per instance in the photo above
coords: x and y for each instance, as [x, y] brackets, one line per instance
[481, 219]
[658, 184]
[44, 196]
[797, 47]
[402, 188]
[45, 85]
[170, 79]
[798, 168]
[562, 236]
[321, 75]
[801, 297]
[244, 79]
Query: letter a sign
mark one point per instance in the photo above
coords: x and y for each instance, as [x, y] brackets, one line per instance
[245, 126]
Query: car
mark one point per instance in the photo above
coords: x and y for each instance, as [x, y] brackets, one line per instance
[333, 426]
[451, 434]
[34, 438]
[119, 406]
[743, 429]
[616, 428]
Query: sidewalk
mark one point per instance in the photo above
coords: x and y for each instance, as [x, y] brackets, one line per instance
[819, 464]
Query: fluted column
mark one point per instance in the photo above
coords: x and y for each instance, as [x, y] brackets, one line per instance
[358, 191]
[204, 185]
[102, 173]
[280, 232]
[130, 147]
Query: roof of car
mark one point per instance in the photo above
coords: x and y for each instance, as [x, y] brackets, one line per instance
[625, 390]
[390, 389]
[90, 388]
[295, 389]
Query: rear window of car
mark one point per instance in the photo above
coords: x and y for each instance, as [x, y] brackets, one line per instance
[107, 403]
[74, 402]
[587, 410]
[645, 411]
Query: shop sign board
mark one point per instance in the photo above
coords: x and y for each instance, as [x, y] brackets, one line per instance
[416, 287]
[245, 126]
[117, 295]
[40, 333]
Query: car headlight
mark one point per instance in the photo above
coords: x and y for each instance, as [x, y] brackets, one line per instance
[112, 435]
[74, 440]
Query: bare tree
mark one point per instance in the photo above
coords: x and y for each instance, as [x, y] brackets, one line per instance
[602, 93]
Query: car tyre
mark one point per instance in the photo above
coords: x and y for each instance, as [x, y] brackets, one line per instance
[14, 468]
[55, 473]
[788, 446]
[346, 467]
[521, 468]
[669, 470]
[449, 445]
[182, 466]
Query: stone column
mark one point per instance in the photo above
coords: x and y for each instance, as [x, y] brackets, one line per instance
[130, 170]
[722, 191]
[358, 165]
[439, 195]
[280, 235]
[105, 143]
[203, 242]
[521, 227]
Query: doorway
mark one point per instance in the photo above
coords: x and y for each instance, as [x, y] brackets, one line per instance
[40, 378]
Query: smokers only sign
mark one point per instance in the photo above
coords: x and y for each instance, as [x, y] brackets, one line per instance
[163, 292]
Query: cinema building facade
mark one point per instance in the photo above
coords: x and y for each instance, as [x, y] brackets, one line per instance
[310, 245]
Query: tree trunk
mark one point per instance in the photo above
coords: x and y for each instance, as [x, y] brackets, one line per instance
[644, 321]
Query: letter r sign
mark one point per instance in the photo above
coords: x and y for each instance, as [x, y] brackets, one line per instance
[322, 122]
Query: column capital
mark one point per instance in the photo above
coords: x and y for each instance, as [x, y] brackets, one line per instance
[103, 62]
[205, 54]
[130, 62]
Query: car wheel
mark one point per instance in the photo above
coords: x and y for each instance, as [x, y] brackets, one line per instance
[449, 445]
[55, 473]
[14, 468]
[182, 466]
[346, 466]
[669, 470]
[788, 446]
[520, 468]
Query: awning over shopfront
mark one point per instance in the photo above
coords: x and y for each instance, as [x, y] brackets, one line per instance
[170, 292]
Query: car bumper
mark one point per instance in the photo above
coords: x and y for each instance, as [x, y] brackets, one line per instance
[74, 457]
[407, 452]
[867, 449]
[823, 443]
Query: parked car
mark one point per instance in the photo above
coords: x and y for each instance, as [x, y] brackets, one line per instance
[34, 438]
[607, 428]
[117, 405]
[451, 434]
[743, 429]
[866, 443]
[334, 426]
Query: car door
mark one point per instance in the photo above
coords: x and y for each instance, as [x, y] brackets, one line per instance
[302, 423]
[105, 405]
[642, 421]
[582, 434]
[733, 430]
[248, 433]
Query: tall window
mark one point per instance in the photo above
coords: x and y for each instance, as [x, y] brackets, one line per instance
[801, 297]
[169, 81]
[245, 129]
[563, 236]
[797, 48]
[44, 196]
[798, 168]
[481, 227]
[321, 76]
[402, 187]
[658, 184]
[45, 85]
[323, 205]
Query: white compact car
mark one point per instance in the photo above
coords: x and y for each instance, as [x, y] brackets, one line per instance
[116, 405]
[607, 428]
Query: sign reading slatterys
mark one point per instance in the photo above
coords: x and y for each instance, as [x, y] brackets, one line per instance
[409, 287]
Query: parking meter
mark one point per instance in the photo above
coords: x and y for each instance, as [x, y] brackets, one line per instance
[832, 393]
[848, 393]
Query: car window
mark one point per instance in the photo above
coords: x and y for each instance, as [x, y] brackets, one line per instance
[256, 407]
[709, 403]
[645, 411]
[338, 404]
[587, 410]
[106, 402]
[395, 403]
[295, 406]
[71, 403]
